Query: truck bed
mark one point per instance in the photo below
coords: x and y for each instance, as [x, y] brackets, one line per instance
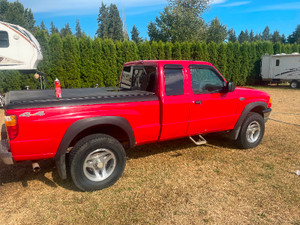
[76, 96]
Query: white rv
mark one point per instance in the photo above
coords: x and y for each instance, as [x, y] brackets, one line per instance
[19, 50]
[281, 67]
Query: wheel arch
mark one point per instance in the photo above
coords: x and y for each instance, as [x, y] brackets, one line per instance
[117, 127]
[257, 107]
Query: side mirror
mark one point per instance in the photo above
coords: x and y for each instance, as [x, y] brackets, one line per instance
[230, 87]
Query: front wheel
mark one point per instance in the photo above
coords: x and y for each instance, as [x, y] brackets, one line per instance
[252, 131]
[96, 162]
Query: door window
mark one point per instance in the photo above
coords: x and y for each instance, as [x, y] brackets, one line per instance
[205, 80]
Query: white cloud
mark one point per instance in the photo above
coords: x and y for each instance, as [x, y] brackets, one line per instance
[284, 6]
[215, 2]
[233, 4]
[73, 7]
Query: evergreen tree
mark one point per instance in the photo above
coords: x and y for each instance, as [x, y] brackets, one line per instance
[251, 36]
[186, 51]
[43, 40]
[252, 59]
[168, 50]
[98, 62]
[268, 47]
[216, 32]
[244, 36]
[245, 67]
[295, 47]
[222, 60]
[160, 49]
[176, 51]
[87, 73]
[115, 24]
[277, 47]
[56, 59]
[144, 50]
[154, 33]
[204, 52]
[236, 64]
[276, 37]
[230, 62]
[295, 36]
[78, 33]
[283, 39]
[53, 28]
[213, 54]
[110, 76]
[66, 30]
[196, 51]
[135, 35]
[103, 22]
[154, 50]
[266, 36]
[71, 62]
[232, 36]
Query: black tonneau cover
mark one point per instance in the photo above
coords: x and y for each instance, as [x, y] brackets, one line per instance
[78, 96]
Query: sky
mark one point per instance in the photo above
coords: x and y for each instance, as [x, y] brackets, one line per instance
[281, 15]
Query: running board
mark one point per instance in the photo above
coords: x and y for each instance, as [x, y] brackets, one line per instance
[201, 140]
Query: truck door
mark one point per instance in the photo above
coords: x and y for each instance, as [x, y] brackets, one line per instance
[174, 102]
[210, 108]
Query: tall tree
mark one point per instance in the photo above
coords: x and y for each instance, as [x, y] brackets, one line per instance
[135, 35]
[71, 62]
[53, 28]
[78, 33]
[66, 30]
[251, 36]
[232, 36]
[216, 31]
[295, 36]
[276, 37]
[102, 31]
[115, 25]
[266, 36]
[180, 21]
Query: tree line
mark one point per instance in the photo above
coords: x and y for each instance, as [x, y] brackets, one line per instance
[178, 33]
[86, 62]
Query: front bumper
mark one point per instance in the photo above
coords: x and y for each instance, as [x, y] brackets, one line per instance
[267, 113]
[5, 154]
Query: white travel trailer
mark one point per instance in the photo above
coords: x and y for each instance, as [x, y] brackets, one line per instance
[281, 67]
[19, 50]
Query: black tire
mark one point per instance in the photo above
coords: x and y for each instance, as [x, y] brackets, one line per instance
[294, 84]
[93, 155]
[252, 131]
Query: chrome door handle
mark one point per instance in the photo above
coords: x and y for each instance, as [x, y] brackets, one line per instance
[198, 102]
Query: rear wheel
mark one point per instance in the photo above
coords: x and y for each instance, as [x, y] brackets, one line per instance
[294, 84]
[96, 162]
[252, 131]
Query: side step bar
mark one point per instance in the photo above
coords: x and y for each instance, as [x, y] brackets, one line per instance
[201, 140]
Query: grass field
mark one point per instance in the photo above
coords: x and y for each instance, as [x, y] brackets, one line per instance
[175, 182]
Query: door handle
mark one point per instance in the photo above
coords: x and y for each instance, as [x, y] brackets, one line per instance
[199, 102]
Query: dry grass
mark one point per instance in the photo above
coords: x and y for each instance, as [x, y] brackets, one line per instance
[175, 182]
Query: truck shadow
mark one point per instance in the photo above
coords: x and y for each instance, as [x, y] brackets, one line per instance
[22, 172]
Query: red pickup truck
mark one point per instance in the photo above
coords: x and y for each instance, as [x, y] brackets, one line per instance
[87, 130]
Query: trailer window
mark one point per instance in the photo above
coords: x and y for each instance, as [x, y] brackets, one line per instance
[4, 41]
[277, 62]
[139, 78]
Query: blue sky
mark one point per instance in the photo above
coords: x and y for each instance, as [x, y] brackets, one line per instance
[281, 15]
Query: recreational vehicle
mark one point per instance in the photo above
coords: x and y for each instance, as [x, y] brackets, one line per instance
[19, 50]
[281, 68]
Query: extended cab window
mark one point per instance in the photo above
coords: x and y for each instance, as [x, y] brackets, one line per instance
[139, 78]
[173, 80]
[205, 80]
[4, 42]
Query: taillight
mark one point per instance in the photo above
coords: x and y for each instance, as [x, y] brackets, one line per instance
[11, 123]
